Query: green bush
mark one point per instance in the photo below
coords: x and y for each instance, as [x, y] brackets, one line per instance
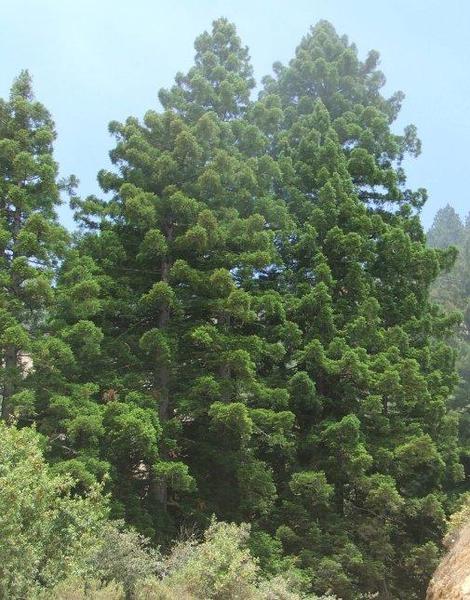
[47, 535]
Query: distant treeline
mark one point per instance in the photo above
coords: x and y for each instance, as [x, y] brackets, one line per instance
[452, 291]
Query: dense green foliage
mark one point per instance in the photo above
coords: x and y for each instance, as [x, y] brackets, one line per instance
[30, 238]
[243, 326]
[452, 291]
[59, 545]
[46, 533]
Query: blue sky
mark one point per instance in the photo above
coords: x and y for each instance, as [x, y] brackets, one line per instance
[98, 60]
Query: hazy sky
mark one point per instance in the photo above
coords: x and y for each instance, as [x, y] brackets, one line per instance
[98, 60]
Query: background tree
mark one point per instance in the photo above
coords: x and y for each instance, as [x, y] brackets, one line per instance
[451, 290]
[447, 229]
[31, 240]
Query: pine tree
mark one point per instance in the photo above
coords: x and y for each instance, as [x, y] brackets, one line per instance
[447, 229]
[179, 244]
[451, 291]
[326, 67]
[370, 373]
[31, 240]
[220, 81]
[42, 351]
[243, 326]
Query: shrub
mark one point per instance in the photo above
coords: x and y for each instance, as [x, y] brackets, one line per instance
[47, 535]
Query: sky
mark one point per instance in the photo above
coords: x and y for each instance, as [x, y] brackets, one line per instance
[94, 61]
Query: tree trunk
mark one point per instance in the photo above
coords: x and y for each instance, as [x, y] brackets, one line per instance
[162, 382]
[11, 363]
[225, 372]
[10, 352]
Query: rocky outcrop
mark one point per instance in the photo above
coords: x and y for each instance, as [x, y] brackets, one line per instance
[451, 581]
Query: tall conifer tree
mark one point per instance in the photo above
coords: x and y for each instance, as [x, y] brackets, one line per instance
[451, 290]
[189, 225]
[363, 507]
[30, 238]
[447, 229]
[244, 327]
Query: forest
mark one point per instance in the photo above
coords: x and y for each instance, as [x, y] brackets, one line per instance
[245, 374]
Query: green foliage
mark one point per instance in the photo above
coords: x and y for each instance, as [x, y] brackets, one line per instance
[451, 291]
[124, 556]
[31, 240]
[77, 589]
[447, 229]
[47, 533]
[219, 567]
[57, 545]
[52, 538]
[244, 328]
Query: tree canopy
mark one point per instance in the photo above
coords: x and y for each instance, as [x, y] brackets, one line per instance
[243, 325]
